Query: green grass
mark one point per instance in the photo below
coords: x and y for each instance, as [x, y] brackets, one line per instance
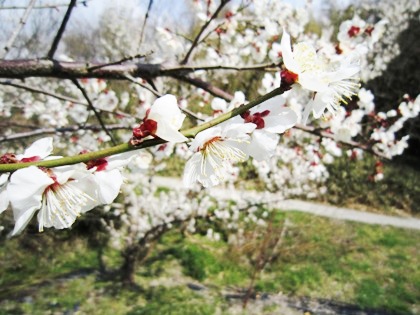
[174, 301]
[370, 266]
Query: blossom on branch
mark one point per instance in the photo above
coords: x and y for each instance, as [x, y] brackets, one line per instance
[332, 83]
[271, 118]
[60, 195]
[39, 150]
[215, 150]
[162, 120]
[107, 175]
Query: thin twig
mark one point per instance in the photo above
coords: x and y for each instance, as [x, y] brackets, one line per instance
[213, 90]
[261, 67]
[44, 131]
[203, 28]
[18, 29]
[98, 116]
[144, 24]
[186, 111]
[61, 30]
[118, 62]
[36, 90]
[144, 86]
[267, 253]
[61, 97]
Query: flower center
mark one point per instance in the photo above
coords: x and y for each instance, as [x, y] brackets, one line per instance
[218, 149]
[305, 56]
[61, 205]
[208, 143]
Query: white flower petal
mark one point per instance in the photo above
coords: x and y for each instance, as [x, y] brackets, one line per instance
[167, 132]
[263, 145]
[4, 197]
[204, 136]
[120, 160]
[26, 188]
[313, 81]
[25, 192]
[287, 54]
[109, 184]
[42, 148]
[274, 105]
[192, 170]
[22, 220]
[169, 118]
[281, 122]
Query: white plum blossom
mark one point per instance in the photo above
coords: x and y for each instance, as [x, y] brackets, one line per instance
[358, 35]
[107, 175]
[331, 82]
[60, 195]
[215, 150]
[38, 151]
[271, 118]
[163, 120]
[219, 106]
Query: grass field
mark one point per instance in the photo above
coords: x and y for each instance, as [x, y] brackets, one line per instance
[372, 267]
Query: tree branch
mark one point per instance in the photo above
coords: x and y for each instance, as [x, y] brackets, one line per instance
[61, 30]
[213, 90]
[144, 86]
[24, 68]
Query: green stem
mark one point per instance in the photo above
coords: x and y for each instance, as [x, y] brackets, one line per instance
[125, 147]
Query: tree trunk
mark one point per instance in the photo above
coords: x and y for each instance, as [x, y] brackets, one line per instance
[128, 267]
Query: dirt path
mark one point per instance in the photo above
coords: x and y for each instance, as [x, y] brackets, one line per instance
[275, 199]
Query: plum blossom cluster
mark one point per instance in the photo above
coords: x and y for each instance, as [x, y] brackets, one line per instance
[323, 77]
[62, 194]
[254, 133]
[59, 195]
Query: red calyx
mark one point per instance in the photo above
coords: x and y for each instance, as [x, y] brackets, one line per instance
[228, 15]
[147, 128]
[288, 78]
[353, 31]
[8, 158]
[257, 118]
[100, 164]
[369, 30]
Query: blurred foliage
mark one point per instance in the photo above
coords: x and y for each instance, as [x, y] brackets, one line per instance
[349, 184]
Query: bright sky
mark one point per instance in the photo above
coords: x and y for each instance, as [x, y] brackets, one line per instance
[95, 7]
